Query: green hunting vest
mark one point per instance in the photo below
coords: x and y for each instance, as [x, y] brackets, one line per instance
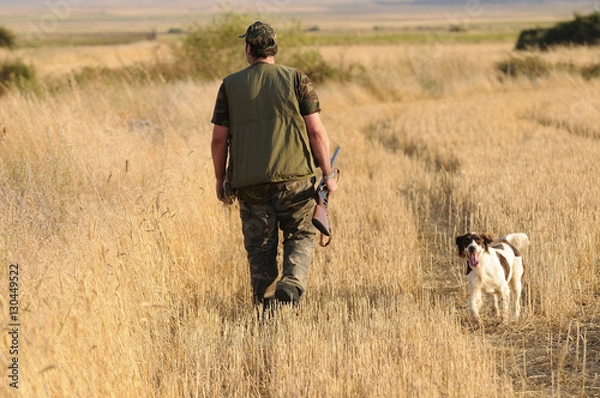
[268, 137]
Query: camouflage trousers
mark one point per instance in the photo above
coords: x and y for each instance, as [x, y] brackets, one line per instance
[266, 209]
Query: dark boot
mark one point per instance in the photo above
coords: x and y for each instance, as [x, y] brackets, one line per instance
[287, 294]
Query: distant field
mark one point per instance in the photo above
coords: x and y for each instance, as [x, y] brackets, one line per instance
[93, 26]
[115, 39]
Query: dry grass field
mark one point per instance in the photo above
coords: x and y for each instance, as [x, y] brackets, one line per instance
[133, 280]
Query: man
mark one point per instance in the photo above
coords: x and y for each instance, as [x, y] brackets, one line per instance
[266, 139]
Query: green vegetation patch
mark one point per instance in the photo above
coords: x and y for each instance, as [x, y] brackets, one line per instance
[534, 67]
[530, 66]
[7, 38]
[591, 72]
[16, 73]
[583, 30]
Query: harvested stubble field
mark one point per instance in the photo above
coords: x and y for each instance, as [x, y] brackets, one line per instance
[133, 278]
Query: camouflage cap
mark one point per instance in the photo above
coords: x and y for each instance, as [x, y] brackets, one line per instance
[260, 35]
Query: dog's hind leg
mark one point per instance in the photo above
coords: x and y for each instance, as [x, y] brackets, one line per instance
[517, 286]
[496, 306]
[505, 299]
[517, 289]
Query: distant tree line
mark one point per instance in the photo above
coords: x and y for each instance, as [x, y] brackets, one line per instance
[583, 30]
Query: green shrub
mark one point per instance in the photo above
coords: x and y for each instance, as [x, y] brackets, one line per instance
[529, 66]
[214, 51]
[583, 30]
[591, 72]
[15, 73]
[312, 63]
[7, 38]
[530, 38]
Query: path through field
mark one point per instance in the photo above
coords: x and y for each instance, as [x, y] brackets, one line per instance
[501, 163]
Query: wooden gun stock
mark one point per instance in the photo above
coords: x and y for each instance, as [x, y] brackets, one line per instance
[320, 219]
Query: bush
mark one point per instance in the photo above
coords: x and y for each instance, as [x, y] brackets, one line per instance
[530, 38]
[7, 38]
[214, 51]
[591, 72]
[583, 30]
[312, 63]
[530, 66]
[17, 74]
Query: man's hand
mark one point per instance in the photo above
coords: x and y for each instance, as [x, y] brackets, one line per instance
[331, 184]
[220, 192]
[223, 194]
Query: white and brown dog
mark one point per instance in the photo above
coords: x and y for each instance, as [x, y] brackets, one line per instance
[494, 266]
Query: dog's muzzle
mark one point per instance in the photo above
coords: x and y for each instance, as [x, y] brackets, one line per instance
[472, 257]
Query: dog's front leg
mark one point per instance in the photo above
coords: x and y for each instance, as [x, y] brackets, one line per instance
[475, 303]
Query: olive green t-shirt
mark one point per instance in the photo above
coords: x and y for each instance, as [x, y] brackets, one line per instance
[263, 106]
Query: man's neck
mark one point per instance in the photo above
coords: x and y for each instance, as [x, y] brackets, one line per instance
[268, 60]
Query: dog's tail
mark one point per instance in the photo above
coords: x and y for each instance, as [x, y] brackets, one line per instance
[519, 240]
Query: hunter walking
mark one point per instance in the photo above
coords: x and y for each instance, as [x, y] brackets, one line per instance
[267, 141]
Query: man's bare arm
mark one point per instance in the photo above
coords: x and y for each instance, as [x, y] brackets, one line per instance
[218, 147]
[319, 142]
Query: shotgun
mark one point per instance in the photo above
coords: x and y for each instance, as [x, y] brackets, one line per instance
[320, 219]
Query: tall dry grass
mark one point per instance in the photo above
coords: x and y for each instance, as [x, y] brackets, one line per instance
[134, 279]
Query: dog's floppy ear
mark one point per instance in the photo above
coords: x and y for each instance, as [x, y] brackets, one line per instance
[460, 245]
[487, 239]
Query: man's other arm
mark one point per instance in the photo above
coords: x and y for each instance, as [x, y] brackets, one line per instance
[218, 147]
[319, 142]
